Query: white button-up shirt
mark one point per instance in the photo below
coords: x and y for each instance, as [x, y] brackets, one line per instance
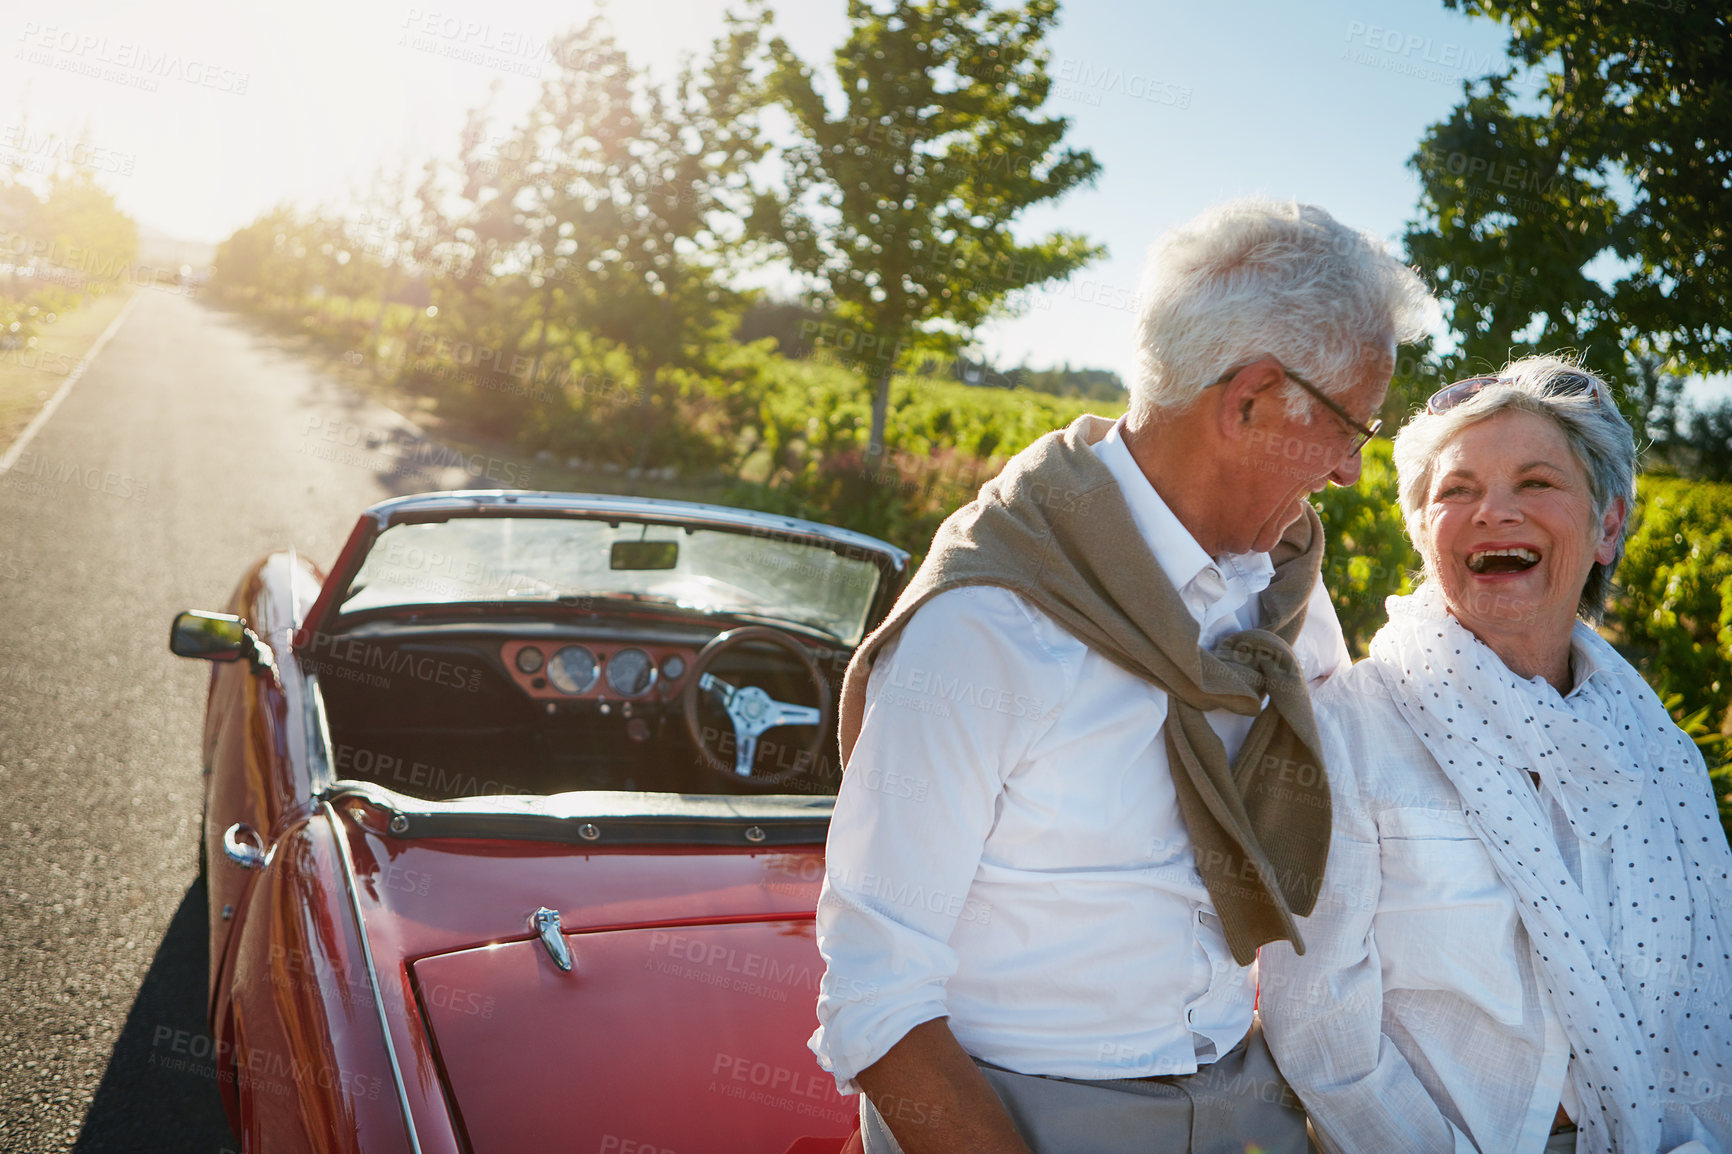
[1416, 1020]
[1007, 848]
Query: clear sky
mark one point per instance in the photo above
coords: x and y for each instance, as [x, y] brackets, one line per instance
[207, 112]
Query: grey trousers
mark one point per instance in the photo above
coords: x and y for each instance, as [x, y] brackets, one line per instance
[1227, 1107]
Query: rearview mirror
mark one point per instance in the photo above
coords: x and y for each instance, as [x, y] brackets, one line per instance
[212, 636]
[643, 555]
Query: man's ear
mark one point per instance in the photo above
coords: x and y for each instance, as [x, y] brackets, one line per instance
[1611, 524]
[1243, 392]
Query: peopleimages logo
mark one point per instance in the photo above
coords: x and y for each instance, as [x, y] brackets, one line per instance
[506, 49]
[1425, 58]
[138, 65]
[1423, 48]
[1087, 81]
[35, 473]
[1489, 171]
[354, 659]
[916, 683]
[807, 1092]
[51, 262]
[40, 152]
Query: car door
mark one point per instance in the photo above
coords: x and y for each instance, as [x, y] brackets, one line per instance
[243, 791]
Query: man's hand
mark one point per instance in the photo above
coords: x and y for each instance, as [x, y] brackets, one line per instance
[935, 1099]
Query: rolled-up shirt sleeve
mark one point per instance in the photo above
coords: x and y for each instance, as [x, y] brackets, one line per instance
[1323, 1012]
[947, 719]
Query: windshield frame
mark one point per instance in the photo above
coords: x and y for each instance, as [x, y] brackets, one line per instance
[327, 617]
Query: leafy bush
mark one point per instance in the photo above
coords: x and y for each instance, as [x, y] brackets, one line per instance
[22, 317]
[945, 440]
[1714, 748]
[1673, 611]
[1368, 556]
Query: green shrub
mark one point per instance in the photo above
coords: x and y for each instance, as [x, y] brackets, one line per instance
[1672, 613]
[1367, 557]
[944, 440]
[1714, 749]
[23, 317]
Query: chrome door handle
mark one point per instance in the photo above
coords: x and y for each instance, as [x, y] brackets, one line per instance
[545, 923]
[249, 854]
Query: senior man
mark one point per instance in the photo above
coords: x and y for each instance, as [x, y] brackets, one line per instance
[1080, 787]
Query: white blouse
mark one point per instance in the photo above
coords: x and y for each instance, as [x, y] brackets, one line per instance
[1418, 1019]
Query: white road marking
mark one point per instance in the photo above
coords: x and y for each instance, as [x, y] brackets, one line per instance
[41, 418]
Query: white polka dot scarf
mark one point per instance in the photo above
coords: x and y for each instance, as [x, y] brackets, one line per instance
[1647, 1009]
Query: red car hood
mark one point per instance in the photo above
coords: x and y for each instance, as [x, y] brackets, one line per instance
[680, 1027]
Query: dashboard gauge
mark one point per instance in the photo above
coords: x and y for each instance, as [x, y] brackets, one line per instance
[630, 672]
[673, 665]
[528, 659]
[573, 669]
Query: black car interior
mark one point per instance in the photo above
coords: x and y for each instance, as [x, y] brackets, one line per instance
[445, 709]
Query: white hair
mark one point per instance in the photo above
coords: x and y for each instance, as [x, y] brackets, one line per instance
[1256, 277]
[1597, 433]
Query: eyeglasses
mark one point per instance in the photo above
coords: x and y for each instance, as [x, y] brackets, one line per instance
[1565, 384]
[1361, 433]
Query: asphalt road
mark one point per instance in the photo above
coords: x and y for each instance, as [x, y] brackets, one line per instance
[192, 445]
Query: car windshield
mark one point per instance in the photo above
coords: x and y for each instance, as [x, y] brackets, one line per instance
[495, 559]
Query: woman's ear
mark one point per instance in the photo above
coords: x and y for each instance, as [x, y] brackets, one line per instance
[1611, 528]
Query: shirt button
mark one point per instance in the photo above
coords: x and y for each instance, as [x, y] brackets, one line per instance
[1209, 584]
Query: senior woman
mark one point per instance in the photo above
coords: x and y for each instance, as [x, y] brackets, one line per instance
[1522, 941]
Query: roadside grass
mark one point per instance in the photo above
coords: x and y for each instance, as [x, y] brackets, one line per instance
[29, 376]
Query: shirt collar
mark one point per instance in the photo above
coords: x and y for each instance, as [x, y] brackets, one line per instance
[1178, 553]
[1584, 667]
[1583, 664]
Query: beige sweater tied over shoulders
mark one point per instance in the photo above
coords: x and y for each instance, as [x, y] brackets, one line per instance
[1054, 528]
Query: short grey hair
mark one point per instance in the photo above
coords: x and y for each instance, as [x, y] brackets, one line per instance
[1596, 432]
[1256, 277]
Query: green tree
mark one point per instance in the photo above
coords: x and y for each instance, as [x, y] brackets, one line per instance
[1595, 211]
[658, 265]
[1710, 440]
[1674, 605]
[276, 258]
[578, 134]
[20, 223]
[84, 228]
[900, 201]
[598, 223]
[64, 221]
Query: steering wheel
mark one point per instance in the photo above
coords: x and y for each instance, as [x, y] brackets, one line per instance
[751, 710]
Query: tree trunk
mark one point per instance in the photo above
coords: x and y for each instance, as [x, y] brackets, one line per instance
[663, 340]
[541, 337]
[645, 412]
[880, 415]
[881, 398]
[390, 288]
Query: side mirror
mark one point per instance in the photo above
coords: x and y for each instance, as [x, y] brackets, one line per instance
[212, 636]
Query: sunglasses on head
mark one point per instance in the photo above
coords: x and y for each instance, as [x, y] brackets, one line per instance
[1565, 384]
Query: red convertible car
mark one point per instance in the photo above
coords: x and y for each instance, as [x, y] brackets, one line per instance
[514, 826]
